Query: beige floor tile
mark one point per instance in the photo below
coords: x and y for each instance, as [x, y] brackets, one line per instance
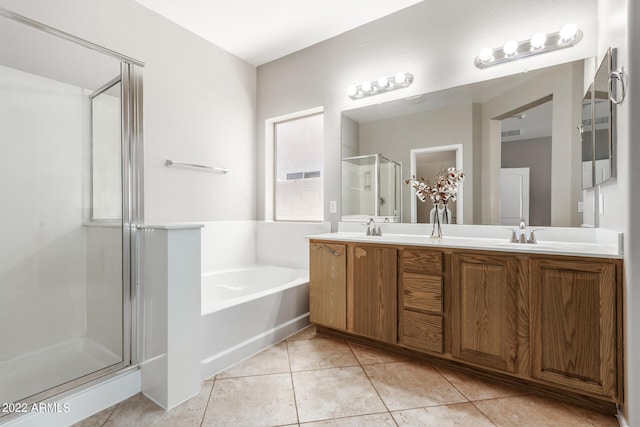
[273, 360]
[474, 388]
[265, 400]
[408, 385]
[460, 414]
[383, 419]
[140, 411]
[96, 420]
[334, 393]
[370, 356]
[530, 411]
[320, 353]
[307, 333]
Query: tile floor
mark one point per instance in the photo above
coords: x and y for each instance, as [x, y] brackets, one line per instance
[313, 380]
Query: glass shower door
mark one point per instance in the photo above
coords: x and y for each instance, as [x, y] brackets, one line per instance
[63, 263]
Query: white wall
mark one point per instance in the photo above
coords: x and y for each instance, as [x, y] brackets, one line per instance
[199, 106]
[42, 254]
[439, 52]
[229, 244]
[618, 28]
[632, 231]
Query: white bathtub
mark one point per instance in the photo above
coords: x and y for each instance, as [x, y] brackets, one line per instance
[225, 288]
[247, 309]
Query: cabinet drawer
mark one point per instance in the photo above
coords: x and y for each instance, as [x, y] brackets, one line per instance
[422, 292]
[422, 331]
[421, 261]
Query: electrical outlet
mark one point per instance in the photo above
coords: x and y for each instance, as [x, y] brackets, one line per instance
[580, 206]
[333, 206]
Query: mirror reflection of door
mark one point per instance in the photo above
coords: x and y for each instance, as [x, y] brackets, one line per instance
[429, 166]
[514, 196]
[526, 143]
[429, 163]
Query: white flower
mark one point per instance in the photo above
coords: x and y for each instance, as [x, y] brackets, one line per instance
[445, 187]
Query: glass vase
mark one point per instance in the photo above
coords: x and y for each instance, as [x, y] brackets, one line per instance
[436, 230]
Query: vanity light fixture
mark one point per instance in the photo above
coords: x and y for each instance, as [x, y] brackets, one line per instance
[383, 84]
[568, 36]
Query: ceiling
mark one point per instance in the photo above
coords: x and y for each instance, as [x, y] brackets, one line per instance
[260, 31]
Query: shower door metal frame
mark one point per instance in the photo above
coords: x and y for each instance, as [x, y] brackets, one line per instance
[132, 208]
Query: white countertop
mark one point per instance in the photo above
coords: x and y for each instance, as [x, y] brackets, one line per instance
[586, 243]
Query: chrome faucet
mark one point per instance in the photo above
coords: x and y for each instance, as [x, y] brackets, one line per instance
[523, 235]
[375, 231]
[523, 232]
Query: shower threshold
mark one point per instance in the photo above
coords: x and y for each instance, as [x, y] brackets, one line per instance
[52, 366]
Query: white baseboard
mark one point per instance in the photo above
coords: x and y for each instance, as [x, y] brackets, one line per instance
[621, 419]
[75, 407]
[223, 360]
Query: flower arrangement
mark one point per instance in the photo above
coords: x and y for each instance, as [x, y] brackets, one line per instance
[443, 189]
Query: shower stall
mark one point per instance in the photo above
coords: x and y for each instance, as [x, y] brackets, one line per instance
[371, 188]
[70, 189]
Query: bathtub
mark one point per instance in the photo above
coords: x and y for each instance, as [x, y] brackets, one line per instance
[247, 309]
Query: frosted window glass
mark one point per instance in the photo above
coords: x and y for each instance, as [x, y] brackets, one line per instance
[299, 171]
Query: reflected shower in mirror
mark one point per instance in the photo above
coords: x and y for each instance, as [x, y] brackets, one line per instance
[475, 116]
[371, 188]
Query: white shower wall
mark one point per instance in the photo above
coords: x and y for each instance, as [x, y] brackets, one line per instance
[59, 278]
[42, 255]
[104, 286]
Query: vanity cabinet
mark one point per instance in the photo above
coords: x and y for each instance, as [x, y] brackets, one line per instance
[328, 285]
[484, 292]
[573, 323]
[550, 321]
[372, 292]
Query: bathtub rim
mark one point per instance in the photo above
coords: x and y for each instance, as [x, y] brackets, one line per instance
[208, 308]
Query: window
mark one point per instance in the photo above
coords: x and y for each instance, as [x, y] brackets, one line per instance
[299, 177]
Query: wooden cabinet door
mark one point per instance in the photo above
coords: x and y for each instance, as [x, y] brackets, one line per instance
[573, 323]
[484, 309]
[373, 310]
[328, 285]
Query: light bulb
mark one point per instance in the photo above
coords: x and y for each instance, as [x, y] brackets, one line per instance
[400, 78]
[383, 82]
[538, 40]
[568, 32]
[510, 48]
[352, 90]
[485, 54]
[366, 86]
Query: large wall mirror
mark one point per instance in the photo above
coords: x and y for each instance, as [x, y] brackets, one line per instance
[517, 140]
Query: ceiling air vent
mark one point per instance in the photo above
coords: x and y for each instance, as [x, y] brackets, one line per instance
[510, 133]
